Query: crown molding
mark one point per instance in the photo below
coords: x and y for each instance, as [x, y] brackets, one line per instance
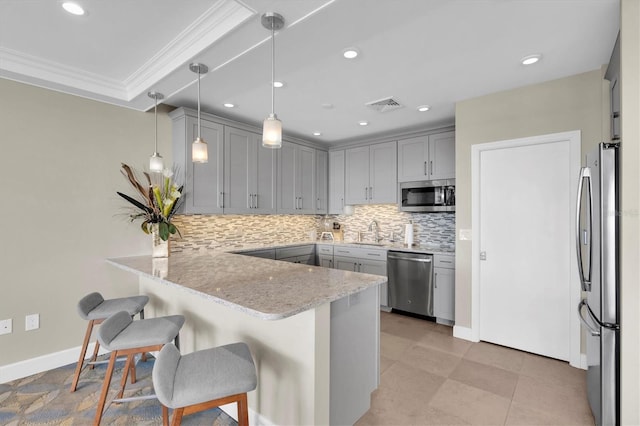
[217, 21]
[39, 69]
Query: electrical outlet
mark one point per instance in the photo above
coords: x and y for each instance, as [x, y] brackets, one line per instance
[6, 326]
[32, 322]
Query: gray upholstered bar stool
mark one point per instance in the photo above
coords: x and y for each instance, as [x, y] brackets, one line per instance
[204, 379]
[121, 335]
[95, 309]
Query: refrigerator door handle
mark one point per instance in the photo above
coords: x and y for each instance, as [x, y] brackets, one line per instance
[590, 329]
[585, 281]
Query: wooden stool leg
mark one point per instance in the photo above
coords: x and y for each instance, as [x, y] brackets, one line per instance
[83, 352]
[165, 416]
[125, 374]
[243, 410]
[177, 417]
[144, 354]
[133, 369]
[96, 348]
[105, 388]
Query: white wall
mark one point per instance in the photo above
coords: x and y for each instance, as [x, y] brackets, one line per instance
[571, 103]
[60, 215]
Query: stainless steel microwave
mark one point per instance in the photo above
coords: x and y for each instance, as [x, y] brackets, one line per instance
[428, 196]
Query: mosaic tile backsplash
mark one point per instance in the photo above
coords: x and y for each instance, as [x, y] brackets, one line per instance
[235, 231]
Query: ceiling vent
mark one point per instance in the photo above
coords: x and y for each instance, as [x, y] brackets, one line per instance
[384, 105]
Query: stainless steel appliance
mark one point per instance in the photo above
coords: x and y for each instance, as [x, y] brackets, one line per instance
[428, 196]
[597, 246]
[410, 278]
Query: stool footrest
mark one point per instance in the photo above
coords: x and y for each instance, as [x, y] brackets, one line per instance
[135, 398]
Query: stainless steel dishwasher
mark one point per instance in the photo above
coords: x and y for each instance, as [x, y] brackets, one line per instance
[410, 282]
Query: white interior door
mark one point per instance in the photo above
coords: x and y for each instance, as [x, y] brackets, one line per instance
[526, 204]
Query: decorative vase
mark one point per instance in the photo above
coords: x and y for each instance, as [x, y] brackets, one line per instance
[160, 248]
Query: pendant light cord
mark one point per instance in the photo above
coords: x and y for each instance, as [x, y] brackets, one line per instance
[273, 68]
[156, 117]
[198, 101]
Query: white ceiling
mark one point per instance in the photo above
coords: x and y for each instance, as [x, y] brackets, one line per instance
[434, 52]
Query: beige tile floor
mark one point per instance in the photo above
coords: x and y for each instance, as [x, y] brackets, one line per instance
[428, 377]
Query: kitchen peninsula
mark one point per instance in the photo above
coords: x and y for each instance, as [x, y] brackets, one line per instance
[313, 332]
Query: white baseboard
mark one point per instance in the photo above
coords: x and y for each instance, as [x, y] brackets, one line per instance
[464, 333]
[42, 363]
[255, 418]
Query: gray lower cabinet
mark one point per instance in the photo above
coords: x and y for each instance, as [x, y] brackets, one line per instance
[336, 182]
[249, 173]
[325, 260]
[324, 255]
[444, 289]
[263, 253]
[297, 254]
[296, 179]
[204, 190]
[366, 260]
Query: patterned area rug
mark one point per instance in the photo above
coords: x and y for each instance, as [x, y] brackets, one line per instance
[45, 399]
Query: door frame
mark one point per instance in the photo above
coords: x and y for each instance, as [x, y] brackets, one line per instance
[576, 359]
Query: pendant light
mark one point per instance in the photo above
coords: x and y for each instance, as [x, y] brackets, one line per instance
[272, 127]
[155, 161]
[199, 146]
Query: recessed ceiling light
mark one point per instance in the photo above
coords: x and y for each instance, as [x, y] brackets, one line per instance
[423, 108]
[327, 106]
[531, 59]
[350, 53]
[317, 134]
[363, 123]
[278, 84]
[73, 8]
[229, 105]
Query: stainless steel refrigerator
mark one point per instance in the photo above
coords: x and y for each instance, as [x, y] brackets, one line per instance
[597, 241]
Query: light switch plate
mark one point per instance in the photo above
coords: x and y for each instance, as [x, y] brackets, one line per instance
[32, 322]
[6, 326]
[465, 235]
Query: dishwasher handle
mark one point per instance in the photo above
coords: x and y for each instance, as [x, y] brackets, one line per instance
[410, 259]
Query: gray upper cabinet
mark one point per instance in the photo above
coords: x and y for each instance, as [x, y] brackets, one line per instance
[296, 179]
[371, 174]
[250, 173]
[204, 191]
[336, 182]
[427, 157]
[322, 168]
[383, 173]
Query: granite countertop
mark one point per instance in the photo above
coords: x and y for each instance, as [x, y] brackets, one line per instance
[263, 288]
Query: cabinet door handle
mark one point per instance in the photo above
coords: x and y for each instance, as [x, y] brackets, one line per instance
[300, 203]
[430, 167]
[425, 168]
[371, 192]
[366, 194]
[250, 201]
[222, 199]
[318, 204]
[355, 266]
[255, 204]
[342, 201]
[435, 280]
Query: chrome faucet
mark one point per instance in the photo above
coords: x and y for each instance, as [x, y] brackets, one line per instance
[373, 226]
